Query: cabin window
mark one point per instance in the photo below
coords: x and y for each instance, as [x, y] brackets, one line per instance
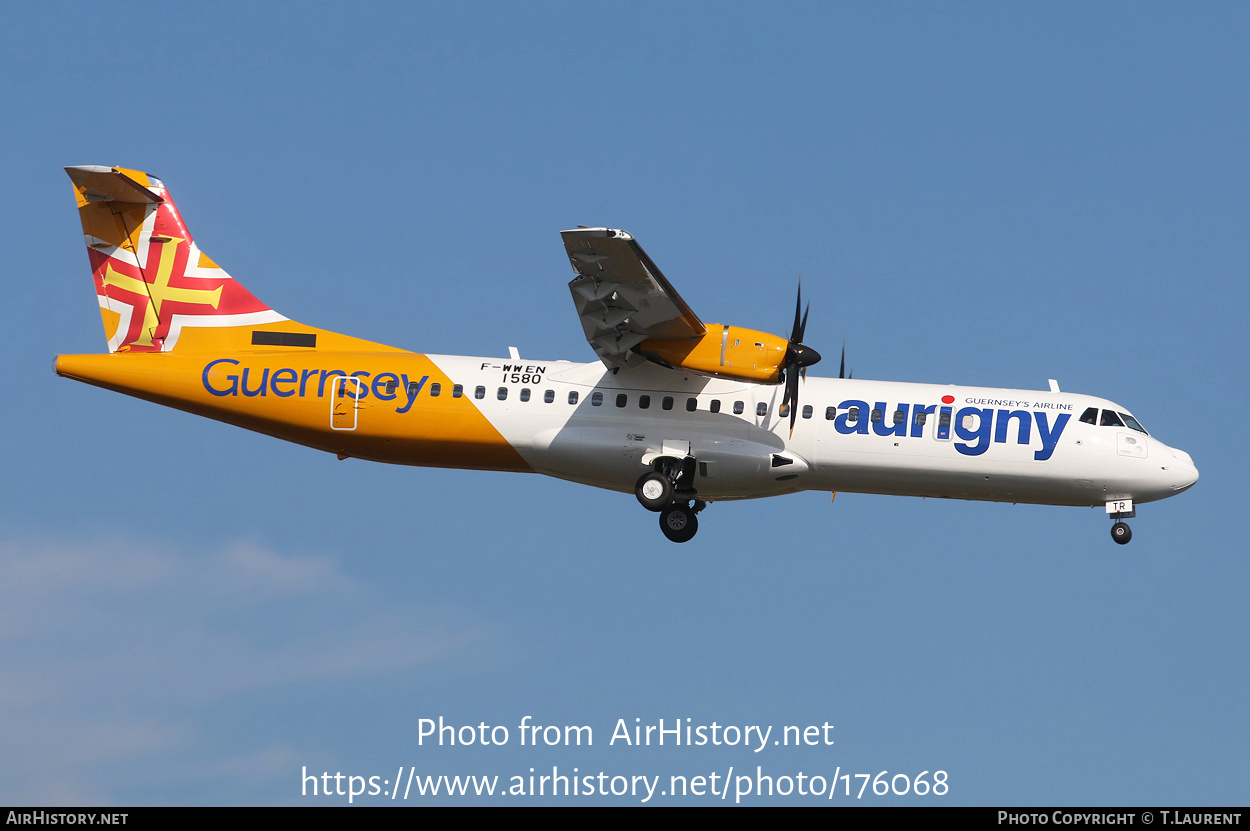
[761, 409]
[830, 412]
[920, 418]
[783, 410]
[644, 401]
[714, 407]
[525, 393]
[852, 415]
[692, 404]
[667, 403]
[899, 416]
[549, 396]
[596, 399]
[435, 389]
[480, 392]
[738, 408]
[622, 399]
[807, 411]
[944, 420]
[573, 397]
[390, 387]
[875, 417]
[502, 394]
[1110, 419]
[1090, 416]
[457, 391]
[414, 387]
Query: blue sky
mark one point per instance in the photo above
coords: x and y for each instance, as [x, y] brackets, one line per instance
[984, 194]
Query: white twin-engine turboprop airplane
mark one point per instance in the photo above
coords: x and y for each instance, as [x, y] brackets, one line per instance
[680, 412]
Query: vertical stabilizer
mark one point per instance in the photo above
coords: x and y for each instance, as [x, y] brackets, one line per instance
[151, 279]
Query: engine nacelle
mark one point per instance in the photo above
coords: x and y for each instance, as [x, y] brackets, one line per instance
[723, 351]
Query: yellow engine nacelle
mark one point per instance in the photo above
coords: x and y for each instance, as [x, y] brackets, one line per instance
[724, 351]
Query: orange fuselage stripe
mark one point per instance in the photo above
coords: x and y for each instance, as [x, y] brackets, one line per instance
[289, 394]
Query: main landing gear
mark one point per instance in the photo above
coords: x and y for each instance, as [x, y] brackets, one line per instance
[664, 491]
[654, 490]
[679, 522]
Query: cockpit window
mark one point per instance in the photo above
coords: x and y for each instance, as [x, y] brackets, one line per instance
[1090, 416]
[1110, 419]
[1133, 423]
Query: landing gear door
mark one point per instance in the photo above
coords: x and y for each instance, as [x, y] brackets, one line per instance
[345, 403]
[675, 447]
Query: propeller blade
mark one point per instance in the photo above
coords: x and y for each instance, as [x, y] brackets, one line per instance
[796, 331]
[797, 357]
[792, 397]
[842, 369]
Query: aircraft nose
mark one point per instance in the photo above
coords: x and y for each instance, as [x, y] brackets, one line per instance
[1183, 472]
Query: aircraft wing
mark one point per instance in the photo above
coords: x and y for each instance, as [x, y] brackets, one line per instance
[621, 297]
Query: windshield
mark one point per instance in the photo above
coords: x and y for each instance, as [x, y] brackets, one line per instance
[1132, 422]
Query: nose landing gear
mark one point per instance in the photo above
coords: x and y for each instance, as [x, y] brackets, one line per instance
[1120, 510]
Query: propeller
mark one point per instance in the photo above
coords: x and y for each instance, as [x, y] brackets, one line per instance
[798, 358]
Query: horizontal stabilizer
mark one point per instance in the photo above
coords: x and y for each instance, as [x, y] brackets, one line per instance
[104, 184]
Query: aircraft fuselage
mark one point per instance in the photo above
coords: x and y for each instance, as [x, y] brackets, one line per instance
[681, 411]
[587, 424]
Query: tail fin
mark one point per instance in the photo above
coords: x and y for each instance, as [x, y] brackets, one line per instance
[152, 281]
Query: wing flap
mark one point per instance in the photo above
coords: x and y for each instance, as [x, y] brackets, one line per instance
[621, 296]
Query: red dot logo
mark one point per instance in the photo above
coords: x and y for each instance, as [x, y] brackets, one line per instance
[948, 399]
